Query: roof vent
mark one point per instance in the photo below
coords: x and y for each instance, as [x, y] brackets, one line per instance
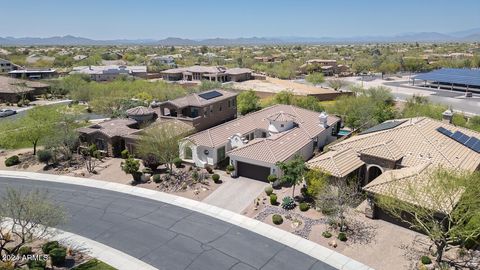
[323, 117]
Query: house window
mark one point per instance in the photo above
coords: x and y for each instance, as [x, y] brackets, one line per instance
[220, 108]
[100, 143]
[264, 134]
[251, 136]
[282, 125]
[221, 153]
[229, 103]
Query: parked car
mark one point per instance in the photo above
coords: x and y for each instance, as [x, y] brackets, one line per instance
[7, 112]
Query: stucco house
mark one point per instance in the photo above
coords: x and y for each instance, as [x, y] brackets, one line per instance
[110, 72]
[254, 143]
[211, 73]
[200, 110]
[397, 152]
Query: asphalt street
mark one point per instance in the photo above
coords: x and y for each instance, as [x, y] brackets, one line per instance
[163, 235]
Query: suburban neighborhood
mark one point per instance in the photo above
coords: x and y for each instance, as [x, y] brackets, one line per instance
[349, 146]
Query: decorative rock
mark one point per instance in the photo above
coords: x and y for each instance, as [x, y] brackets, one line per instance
[332, 243]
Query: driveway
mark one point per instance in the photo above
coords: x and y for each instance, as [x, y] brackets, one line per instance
[235, 194]
[163, 235]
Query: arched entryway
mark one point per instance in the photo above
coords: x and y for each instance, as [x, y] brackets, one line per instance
[373, 172]
[187, 154]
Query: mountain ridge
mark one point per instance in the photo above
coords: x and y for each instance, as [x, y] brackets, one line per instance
[471, 35]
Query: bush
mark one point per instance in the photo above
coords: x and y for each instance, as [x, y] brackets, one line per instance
[36, 264]
[209, 169]
[157, 178]
[268, 190]
[57, 255]
[326, 234]
[151, 161]
[12, 161]
[277, 219]
[425, 260]
[44, 156]
[304, 206]
[124, 154]
[25, 250]
[177, 162]
[272, 178]
[230, 168]
[216, 178]
[277, 184]
[47, 247]
[288, 203]
[342, 237]
[273, 199]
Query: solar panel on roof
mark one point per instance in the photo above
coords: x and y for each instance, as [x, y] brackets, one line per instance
[463, 139]
[383, 126]
[457, 135]
[470, 143]
[476, 148]
[444, 131]
[210, 95]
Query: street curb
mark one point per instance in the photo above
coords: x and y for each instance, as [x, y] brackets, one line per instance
[298, 243]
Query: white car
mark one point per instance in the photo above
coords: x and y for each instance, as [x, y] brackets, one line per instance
[6, 112]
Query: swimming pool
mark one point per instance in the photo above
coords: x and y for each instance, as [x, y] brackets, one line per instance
[344, 132]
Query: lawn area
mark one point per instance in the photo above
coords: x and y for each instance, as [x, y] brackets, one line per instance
[94, 264]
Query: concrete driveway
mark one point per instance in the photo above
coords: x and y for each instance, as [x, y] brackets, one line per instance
[163, 235]
[235, 194]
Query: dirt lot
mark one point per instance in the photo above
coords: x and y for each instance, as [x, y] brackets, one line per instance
[274, 85]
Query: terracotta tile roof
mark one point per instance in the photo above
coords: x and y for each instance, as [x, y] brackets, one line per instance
[337, 163]
[139, 111]
[196, 100]
[281, 117]
[306, 120]
[386, 150]
[420, 142]
[275, 148]
[408, 185]
[111, 128]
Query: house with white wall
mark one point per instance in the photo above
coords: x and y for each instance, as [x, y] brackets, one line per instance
[254, 143]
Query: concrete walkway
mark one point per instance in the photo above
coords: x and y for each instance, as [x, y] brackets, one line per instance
[171, 232]
[235, 194]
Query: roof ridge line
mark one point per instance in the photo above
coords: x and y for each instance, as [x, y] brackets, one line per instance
[434, 146]
[425, 166]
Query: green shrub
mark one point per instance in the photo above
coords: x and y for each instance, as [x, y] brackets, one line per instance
[268, 190]
[304, 206]
[342, 237]
[277, 219]
[57, 255]
[230, 168]
[44, 156]
[288, 203]
[25, 250]
[157, 178]
[326, 234]
[36, 264]
[272, 178]
[425, 260]
[124, 154]
[209, 169]
[12, 161]
[49, 246]
[216, 178]
[177, 162]
[273, 199]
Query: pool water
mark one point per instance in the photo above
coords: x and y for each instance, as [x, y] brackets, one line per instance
[343, 132]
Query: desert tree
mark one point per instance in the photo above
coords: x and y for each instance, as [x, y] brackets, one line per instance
[26, 216]
[336, 83]
[338, 198]
[247, 101]
[444, 204]
[161, 141]
[293, 171]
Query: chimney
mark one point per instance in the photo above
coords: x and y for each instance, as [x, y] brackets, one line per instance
[323, 117]
[447, 116]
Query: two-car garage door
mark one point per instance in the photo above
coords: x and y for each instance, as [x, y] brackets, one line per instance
[252, 171]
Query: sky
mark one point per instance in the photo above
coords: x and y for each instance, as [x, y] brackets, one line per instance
[138, 19]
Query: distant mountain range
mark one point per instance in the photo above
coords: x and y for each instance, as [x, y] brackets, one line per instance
[472, 35]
